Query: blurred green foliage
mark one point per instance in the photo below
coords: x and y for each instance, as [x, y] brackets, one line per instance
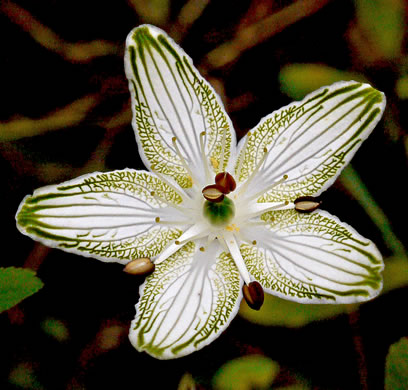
[16, 284]
[246, 373]
[396, 368]
[62, 80]
[55, 328]
[297, 80]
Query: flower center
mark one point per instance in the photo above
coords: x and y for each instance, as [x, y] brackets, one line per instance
[219, 213]
[218, 209]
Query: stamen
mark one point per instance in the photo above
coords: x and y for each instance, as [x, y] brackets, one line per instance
[213, 193]
[267, 189]
[255, 171]
[255, 209]
[202, 249]
[204, 157]
[182, 159]
[192, 233]
[224, 136]
[233, 248]
[171, 223]
[140, 266]
[226, 182]
[241, 156]
[306, 204]
[253, 294]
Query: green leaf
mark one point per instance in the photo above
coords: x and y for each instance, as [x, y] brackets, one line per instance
[17, 284]
[297, 80]
[396, 366]
[246, 373]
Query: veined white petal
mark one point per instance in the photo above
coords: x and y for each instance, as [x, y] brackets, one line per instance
[109, 216]
[171, 99]
[312, 258]
[232, 245]
[192, 233]
[310, 141]
[187, 302]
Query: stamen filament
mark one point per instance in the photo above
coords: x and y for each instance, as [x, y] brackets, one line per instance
[256, 209]
[177, 190]
[241, 156]
[253, 174]
[204, 157]
[192, 233]
[182, 159]
[265, 190]
[170, 223]
[222, 158]
[233, 248]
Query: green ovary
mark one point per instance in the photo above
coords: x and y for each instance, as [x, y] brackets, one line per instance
[221, 213]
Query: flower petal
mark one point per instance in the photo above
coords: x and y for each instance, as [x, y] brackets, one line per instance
[309, 141]
[171, 99]
[109, 216]
[187, 302]
[312, 258]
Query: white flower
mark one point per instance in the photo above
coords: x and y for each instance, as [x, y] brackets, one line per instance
[207, 251]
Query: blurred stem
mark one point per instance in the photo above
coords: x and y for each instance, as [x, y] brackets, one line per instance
[190, 12]
[260, 31]
[73, 52]
[353, 317]
[352, 182]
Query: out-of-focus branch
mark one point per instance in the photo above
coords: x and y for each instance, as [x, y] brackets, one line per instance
[187, 16]
[67, 116]
[152, 11]
[97, 160]
[258, 32]
[73, 52]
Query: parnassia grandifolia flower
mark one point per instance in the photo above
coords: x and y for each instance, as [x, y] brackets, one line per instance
[212, 221]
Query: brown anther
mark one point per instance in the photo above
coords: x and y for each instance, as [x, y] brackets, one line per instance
[140, 266]
[306, 204]
[226, 182]
[213, 193]
[253, 294]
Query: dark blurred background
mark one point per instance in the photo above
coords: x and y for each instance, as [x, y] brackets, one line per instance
[65, 111]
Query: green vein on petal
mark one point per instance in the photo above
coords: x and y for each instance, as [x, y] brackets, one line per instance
[310, 141]
[110, 216]
[186, 303]
[313, 258]
[171, 99]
